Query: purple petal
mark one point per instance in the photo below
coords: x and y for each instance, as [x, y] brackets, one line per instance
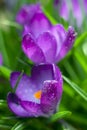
[77, 11]
[32, 50]
[45, 72]
[26, 30]
[32, 107]
[22, 16]
[14, 105]
[13, 78]
[67, 44]
[57, 74]
[64, 11]
[41, 73]
[39, 24]
[60, 34]
[0, 59]
[26, 87]
[48, 45]
[51, 95]
[26, 13]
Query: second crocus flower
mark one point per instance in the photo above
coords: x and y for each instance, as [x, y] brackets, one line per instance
[38, 95]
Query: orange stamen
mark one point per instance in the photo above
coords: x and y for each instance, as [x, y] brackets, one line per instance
[38, 94]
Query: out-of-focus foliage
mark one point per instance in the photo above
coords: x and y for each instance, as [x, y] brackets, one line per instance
[73, 67]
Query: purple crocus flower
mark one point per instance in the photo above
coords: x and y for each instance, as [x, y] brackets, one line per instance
[38, 95]
[0, 59]
[50, 46]
[42, 41]
[78, 8]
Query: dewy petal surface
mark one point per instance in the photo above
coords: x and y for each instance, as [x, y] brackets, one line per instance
[48, 45]
[51, 95]
[57, 74]
[67, 44]
[60, 34]
[32, 50]
[14, 105]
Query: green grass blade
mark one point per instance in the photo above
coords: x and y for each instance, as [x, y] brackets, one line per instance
[82, 93]
[80, 58]
[11, 24]
[6, 127]
[3, 103]
[3, 49]
[5, 72]
[18, 126]
[59, 115]
[53, 21]
[67, 126]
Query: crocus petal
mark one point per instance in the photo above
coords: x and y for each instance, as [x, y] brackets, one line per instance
[51, 95]
[59, 32]
[0, 59]
[26, 30]
[67, 44]
[32, 107]
[26, 13]
[41, 73]
[39, 23]
[22, 15]
[25, 89]
[13, 78]
[57, 74]
[32, 50]
[14, 105]
[45, 72]
[77, 11]
[48, 45]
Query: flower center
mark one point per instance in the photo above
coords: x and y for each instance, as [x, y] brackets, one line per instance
[38, 94]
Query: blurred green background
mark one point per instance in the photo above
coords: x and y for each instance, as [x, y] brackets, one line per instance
[73, 67]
